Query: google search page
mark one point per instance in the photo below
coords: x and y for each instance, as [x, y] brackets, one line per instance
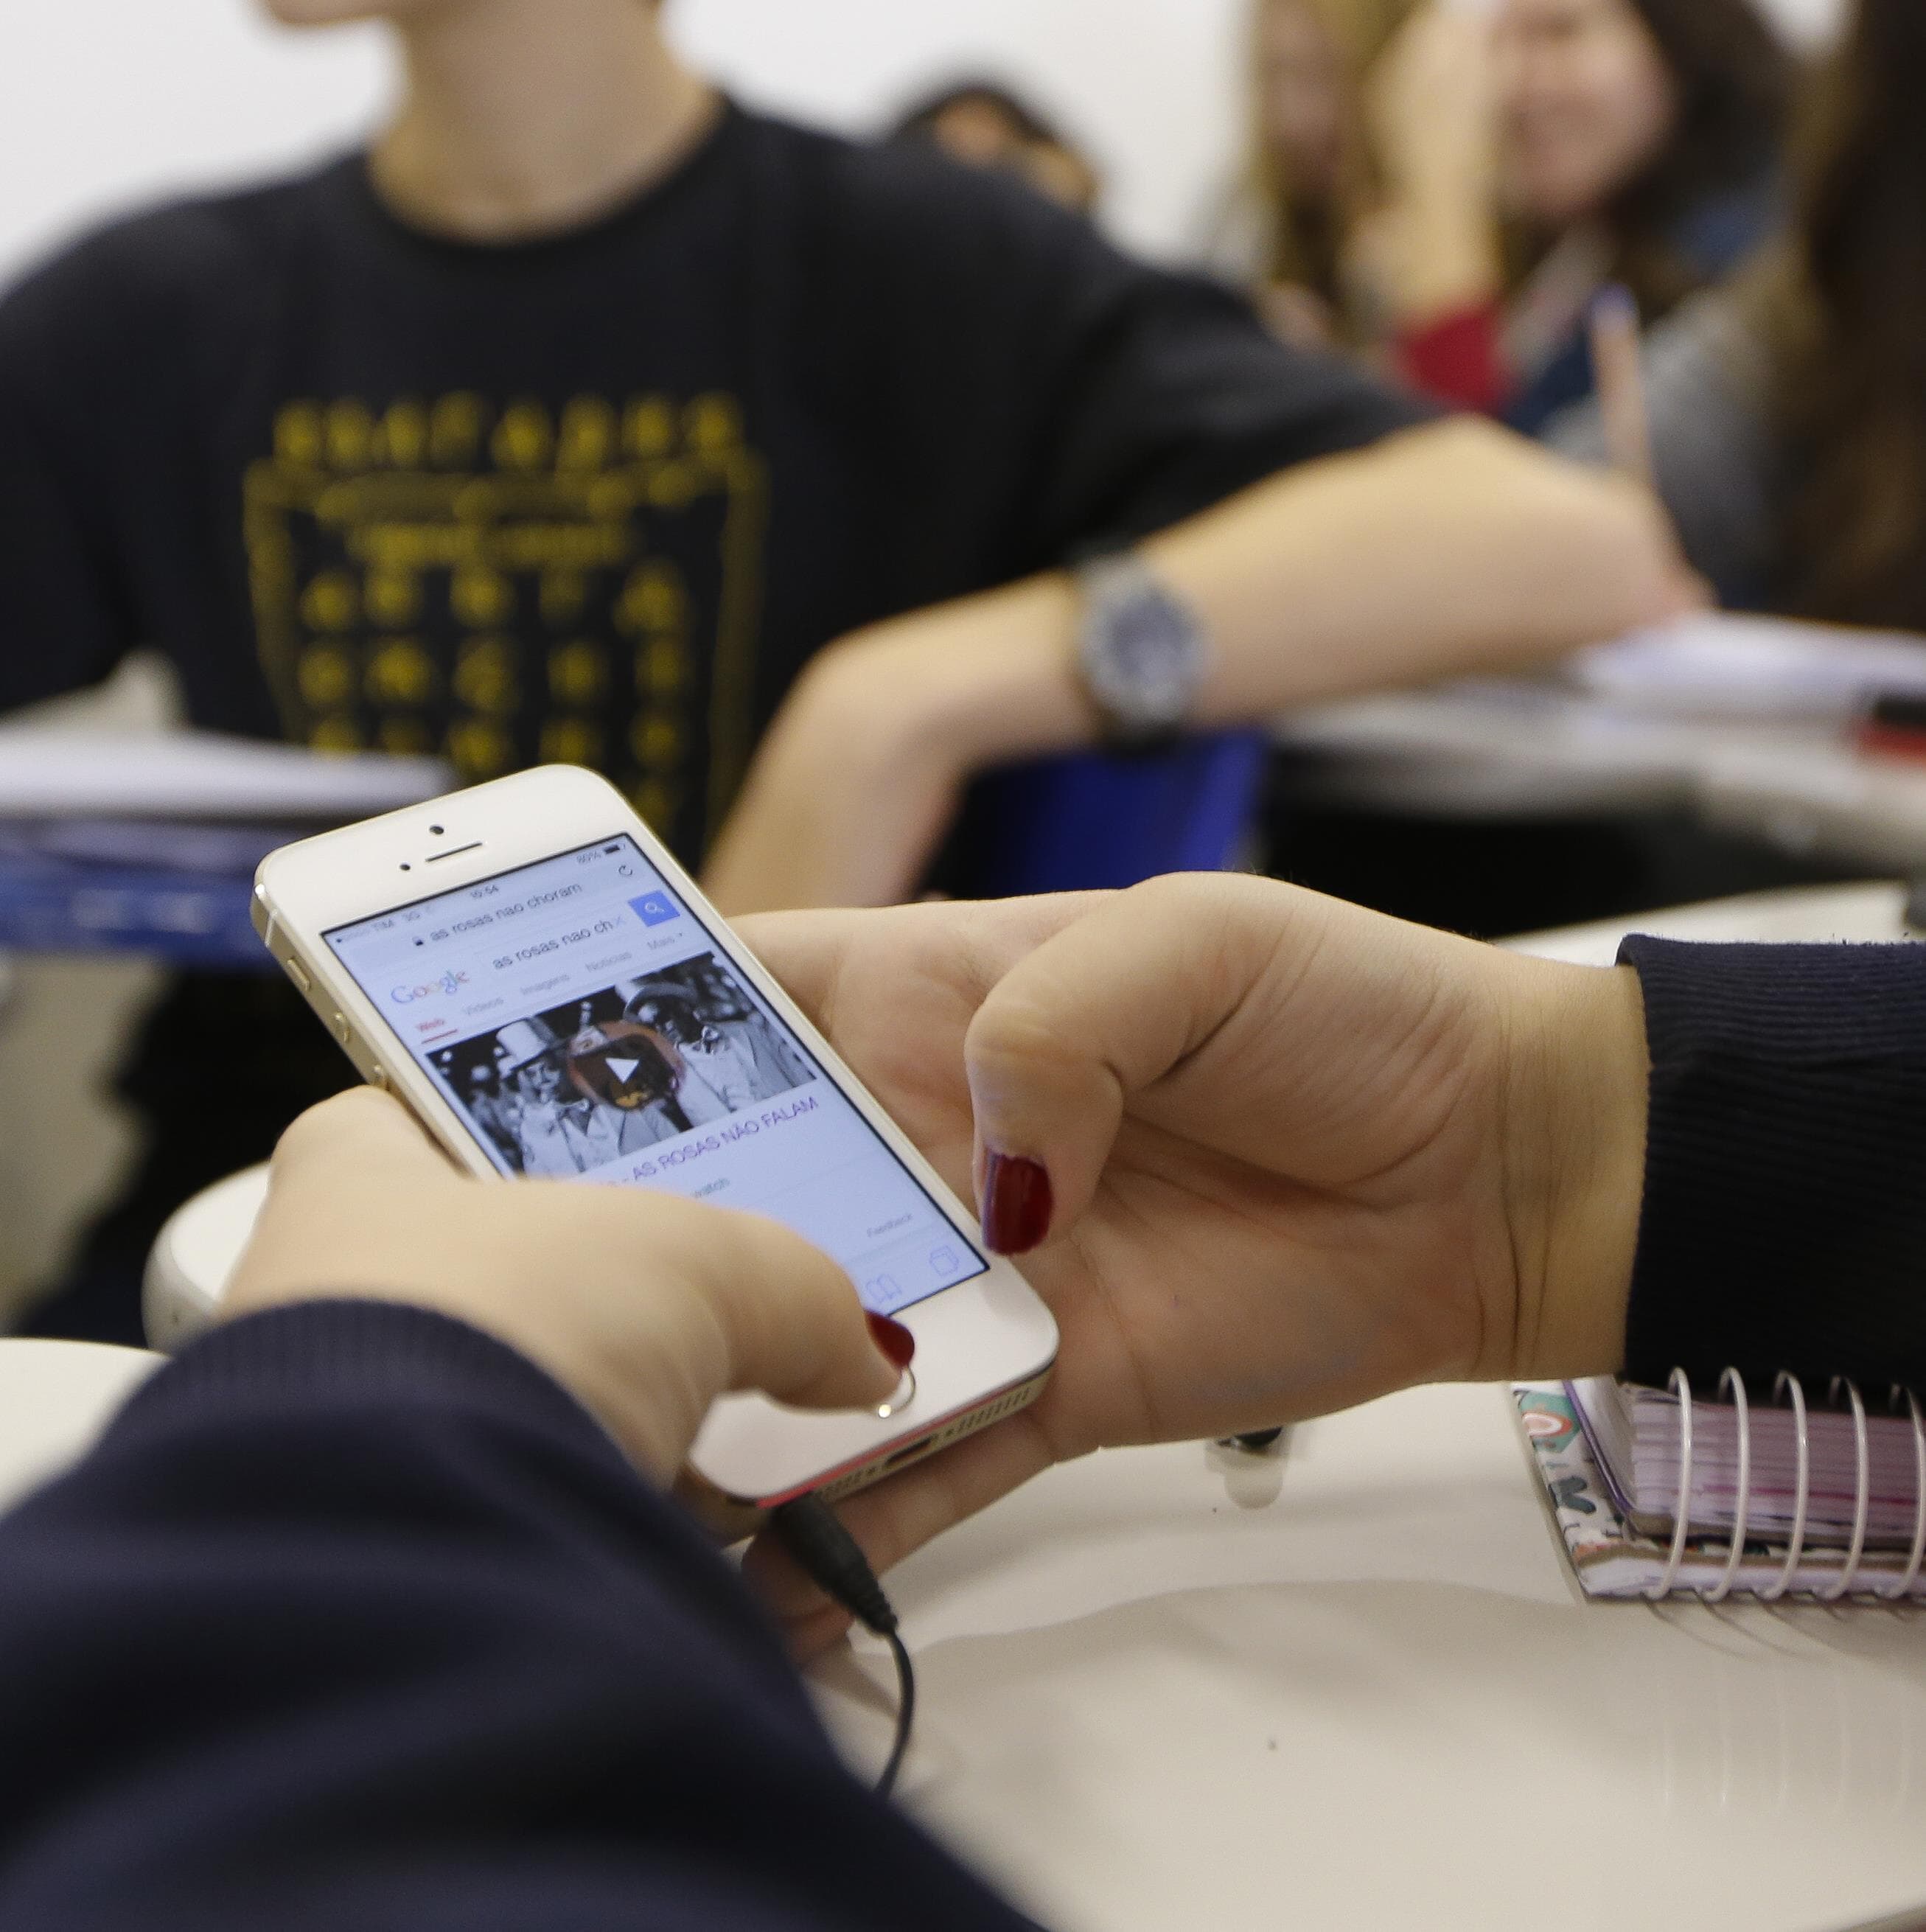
[584, 1024]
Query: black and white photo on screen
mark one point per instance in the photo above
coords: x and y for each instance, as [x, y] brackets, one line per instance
[568, 1090]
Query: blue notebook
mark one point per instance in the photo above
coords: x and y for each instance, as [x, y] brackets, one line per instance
[179, 893]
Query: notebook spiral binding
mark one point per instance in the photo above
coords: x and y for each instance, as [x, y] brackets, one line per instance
[1848, 1583]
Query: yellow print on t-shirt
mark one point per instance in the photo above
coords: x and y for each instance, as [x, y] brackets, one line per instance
[501, 583]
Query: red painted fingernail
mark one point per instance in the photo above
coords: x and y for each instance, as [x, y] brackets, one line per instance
[1017, 1205]
[894, 1339]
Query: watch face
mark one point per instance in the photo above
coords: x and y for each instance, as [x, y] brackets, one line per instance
[1148, 657]
[1150, 648]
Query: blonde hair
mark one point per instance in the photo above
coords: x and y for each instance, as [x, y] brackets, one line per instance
[1301, 243]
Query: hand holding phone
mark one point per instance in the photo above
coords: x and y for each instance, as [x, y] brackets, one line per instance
[644, 1306]
[1302, 1156]
[526, 966]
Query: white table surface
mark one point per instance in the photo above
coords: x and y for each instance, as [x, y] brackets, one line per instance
[1864, 913]
[54, 1398]
[1180, 1688]
[1177, 1688]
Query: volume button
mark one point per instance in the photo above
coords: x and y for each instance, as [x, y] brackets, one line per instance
[298, 973]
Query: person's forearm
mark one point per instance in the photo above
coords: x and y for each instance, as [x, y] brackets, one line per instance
[1454, 548]
[1439, 256]
[1575, 1115]
[857, 778]
[1433, 244]
[1457, 547]
[1448, 549]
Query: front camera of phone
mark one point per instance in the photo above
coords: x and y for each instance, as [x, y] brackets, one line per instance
[436, 829]
[406, 867]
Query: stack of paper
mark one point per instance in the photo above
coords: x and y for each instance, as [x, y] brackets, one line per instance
[1611, 1557]
[1635, 1434]
[119, 844]
[201, 774]
[1761, 670]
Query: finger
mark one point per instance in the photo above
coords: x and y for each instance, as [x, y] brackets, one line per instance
[789, 1319]
[1094, 1015]
[361, 1127]
[1617, 363]
[335, 1158]
[898, 1516]
[809, 952]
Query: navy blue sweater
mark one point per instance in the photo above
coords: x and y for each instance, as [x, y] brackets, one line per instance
[354, 1619]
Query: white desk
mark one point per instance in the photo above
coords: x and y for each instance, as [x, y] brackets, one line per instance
[1357, 1689]
[1863, 913]
[55, 1397]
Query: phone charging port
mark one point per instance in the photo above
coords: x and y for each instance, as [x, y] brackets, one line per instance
[908, 1449]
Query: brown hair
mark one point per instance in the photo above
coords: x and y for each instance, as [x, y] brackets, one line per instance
[1735, 84]
[1850, 322]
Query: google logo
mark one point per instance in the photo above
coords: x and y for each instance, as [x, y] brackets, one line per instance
[449, 983]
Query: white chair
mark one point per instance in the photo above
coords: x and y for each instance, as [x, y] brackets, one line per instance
[194, 1254]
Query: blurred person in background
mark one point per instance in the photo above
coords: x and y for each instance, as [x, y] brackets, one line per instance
[1788, 411]
[1579, 144]
[1288, 229]
[586, 417]
[985, 125]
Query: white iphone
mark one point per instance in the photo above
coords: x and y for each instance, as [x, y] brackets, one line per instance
[526, 966]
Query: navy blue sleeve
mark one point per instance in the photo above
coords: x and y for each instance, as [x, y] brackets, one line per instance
[1784, 1221]
[354, 1619]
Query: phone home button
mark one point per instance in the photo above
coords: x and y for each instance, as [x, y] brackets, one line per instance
[905, 1394]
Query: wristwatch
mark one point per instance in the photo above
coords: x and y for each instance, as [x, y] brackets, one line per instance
[1141, 652]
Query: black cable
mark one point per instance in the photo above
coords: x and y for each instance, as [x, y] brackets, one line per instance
[833, 1561]
[906, 1711]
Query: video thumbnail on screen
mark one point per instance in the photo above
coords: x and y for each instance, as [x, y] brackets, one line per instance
[566, 1090]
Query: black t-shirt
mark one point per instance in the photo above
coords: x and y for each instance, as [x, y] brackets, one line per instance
[595, 498]
[598, 498]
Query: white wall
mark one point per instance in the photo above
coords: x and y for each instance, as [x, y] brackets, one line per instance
[107, 103]
[1149, 86]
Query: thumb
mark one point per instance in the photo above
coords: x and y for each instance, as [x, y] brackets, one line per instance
[1097, 1012]
[703, 1300]
[362, 1128]
[790, 1322]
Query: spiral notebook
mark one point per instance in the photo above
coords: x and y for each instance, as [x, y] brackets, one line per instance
[1659, 1493]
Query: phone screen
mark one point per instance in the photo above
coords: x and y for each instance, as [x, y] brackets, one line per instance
[584, 1024]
